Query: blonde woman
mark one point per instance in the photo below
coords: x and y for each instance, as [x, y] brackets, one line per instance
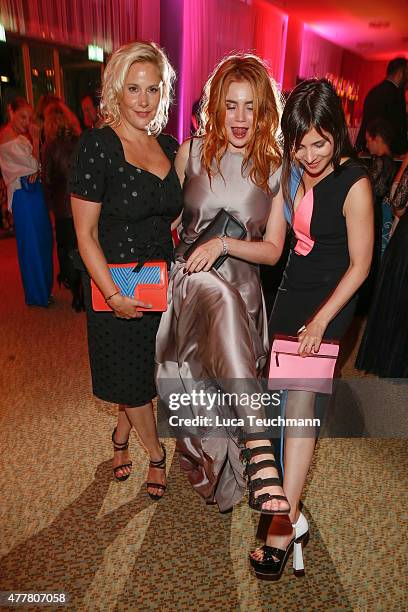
[125, 193]
[215, 330]
[61, 132]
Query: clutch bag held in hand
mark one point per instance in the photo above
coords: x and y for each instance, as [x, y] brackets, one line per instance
[223, 224]
[147, 284]
[288, 370]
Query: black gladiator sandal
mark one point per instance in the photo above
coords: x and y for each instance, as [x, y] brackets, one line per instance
[161, 465]
[120, 447]
[257, 484]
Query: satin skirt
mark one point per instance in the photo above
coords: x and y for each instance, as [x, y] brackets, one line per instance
[213, 333]
[34, 244]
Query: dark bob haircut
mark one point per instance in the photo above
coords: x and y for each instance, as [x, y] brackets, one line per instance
[312, 104]
[383, 128]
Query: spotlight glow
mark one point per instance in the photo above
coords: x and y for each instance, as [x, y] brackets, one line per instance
[95, 53]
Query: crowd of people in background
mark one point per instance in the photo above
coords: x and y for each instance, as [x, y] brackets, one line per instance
[89, 118]
[52, 131]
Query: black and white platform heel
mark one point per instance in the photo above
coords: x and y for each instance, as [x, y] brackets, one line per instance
[273, 561]
[301, 537]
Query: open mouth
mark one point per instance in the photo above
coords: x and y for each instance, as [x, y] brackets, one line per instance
[239, 132]
[312, 165]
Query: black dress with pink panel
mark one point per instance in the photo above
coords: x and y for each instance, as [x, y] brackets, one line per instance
[318, 257]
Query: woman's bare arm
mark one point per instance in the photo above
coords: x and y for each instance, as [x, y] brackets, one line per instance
[267, 251]
[86, 218]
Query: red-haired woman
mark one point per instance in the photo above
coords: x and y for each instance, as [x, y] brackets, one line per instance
[215, 330]
[61, 131]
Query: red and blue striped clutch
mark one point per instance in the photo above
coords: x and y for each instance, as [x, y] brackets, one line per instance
[148, 284]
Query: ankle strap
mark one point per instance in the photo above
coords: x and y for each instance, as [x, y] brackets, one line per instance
[119, 446]
[254, 468]
[161, 464]
[248, 453]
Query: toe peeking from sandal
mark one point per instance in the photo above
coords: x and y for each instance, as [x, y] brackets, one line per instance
[272, 562]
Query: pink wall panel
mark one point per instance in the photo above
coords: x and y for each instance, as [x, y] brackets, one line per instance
[293, 53]
[319, 56]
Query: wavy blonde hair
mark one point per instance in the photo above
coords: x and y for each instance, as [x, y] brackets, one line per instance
[264, 148]
[115, 75]
[57, 118]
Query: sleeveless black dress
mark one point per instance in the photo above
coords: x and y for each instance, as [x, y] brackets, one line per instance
[134, 225]
[384, 347]
[318, 257]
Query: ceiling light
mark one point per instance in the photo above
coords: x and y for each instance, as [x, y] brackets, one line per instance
[95, 53]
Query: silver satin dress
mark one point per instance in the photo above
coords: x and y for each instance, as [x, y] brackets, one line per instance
[215, 327]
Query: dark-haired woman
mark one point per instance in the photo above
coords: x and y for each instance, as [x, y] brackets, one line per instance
[382, 169]
[384, 347]
[331, 214]
[19, 151]
[379, 138]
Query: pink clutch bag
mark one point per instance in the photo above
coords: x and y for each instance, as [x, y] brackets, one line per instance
[288, 370]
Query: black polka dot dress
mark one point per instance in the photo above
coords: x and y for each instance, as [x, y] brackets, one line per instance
[134, 225]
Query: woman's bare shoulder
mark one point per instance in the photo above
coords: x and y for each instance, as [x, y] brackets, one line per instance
[6, 135]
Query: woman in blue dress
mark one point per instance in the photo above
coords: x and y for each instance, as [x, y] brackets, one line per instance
[19, 144]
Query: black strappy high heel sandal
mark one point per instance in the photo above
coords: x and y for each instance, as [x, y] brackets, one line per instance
[161, 465]
[120, 447]
[257, 484]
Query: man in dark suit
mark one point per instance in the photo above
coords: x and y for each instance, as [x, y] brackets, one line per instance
[387, 101]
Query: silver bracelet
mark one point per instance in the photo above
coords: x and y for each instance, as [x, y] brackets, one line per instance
[224, 245]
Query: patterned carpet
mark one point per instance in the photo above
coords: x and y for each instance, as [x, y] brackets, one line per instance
[67, 526]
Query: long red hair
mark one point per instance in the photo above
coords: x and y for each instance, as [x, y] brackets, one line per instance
[263, 148]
